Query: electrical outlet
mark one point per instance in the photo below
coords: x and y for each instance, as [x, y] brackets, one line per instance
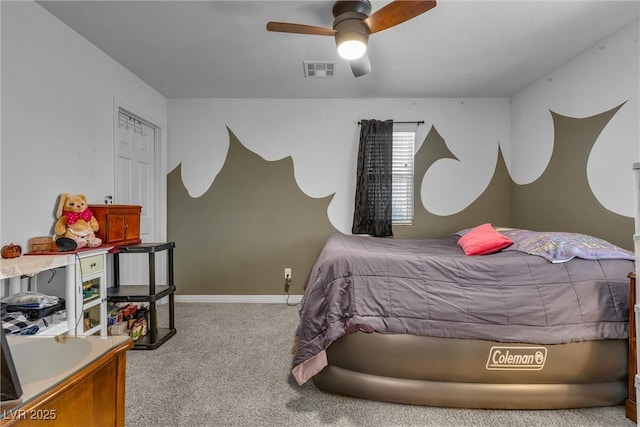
[287, 273]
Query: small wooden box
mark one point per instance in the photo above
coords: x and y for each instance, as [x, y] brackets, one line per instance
[42, 244]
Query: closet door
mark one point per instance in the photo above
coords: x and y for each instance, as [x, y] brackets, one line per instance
[135, 184]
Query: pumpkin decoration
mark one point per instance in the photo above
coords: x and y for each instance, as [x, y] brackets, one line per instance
[11, 251]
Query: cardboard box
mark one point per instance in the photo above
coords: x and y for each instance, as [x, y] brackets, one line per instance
[119, 328]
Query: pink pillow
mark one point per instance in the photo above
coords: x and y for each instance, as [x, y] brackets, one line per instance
[483, 240]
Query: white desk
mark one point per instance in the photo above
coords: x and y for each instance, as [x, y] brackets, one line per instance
[13, 269]
[29, 265]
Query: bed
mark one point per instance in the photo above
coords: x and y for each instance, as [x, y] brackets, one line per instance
[540, 323]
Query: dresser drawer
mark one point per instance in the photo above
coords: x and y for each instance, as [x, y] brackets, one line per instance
[92, 264]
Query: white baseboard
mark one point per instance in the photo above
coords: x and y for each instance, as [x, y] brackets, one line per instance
[260, 299]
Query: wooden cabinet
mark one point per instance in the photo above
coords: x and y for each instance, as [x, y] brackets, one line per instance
[119, 224]
[631, 399]
[93, 304]
[88, 393]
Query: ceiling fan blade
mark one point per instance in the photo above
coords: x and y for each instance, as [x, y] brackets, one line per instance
[286, 27]
[396, 13]
[360, 66]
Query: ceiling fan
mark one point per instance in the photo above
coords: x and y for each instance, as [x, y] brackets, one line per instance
[353, 23]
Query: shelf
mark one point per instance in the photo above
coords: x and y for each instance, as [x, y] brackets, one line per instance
[147, 248]
[150, 293]
[91, 302]
[91, 298]
[138, 293]
[94, 330]
[144, 343]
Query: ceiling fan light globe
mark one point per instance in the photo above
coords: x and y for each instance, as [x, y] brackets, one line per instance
[352, 49]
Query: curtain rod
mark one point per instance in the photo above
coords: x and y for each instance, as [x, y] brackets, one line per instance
[421, 122]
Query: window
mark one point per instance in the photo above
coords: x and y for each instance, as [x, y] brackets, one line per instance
[402, 200]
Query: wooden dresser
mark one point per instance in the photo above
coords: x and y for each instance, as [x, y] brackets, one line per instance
[631, 398]
[119, 224]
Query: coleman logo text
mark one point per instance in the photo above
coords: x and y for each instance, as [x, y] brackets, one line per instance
[517, 358]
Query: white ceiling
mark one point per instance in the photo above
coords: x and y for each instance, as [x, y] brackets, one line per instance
[221, 49]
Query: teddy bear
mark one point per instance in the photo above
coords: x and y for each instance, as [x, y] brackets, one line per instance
[76, 221]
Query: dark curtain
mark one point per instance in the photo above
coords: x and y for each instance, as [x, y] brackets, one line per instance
[372, 213]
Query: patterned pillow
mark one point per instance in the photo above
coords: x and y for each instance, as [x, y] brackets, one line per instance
[483, 240]
[562, 246]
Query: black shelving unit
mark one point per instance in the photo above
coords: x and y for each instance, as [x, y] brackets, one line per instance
[156, 336]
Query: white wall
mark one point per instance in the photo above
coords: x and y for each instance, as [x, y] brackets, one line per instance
[321, 136]
[58, 94]
[602, 78]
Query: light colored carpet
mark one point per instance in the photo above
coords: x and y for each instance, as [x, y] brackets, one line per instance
[228, 365]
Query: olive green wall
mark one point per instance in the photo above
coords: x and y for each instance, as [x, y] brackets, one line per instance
[251, 224]
[561, 198]
[492, 206]
[254, 221]
[237, 238]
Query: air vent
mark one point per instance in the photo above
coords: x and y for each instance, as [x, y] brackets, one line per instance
[316, 69]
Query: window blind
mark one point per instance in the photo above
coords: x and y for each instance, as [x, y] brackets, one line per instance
[402, 197]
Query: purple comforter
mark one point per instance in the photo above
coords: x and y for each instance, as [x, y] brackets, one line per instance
[431, 288]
